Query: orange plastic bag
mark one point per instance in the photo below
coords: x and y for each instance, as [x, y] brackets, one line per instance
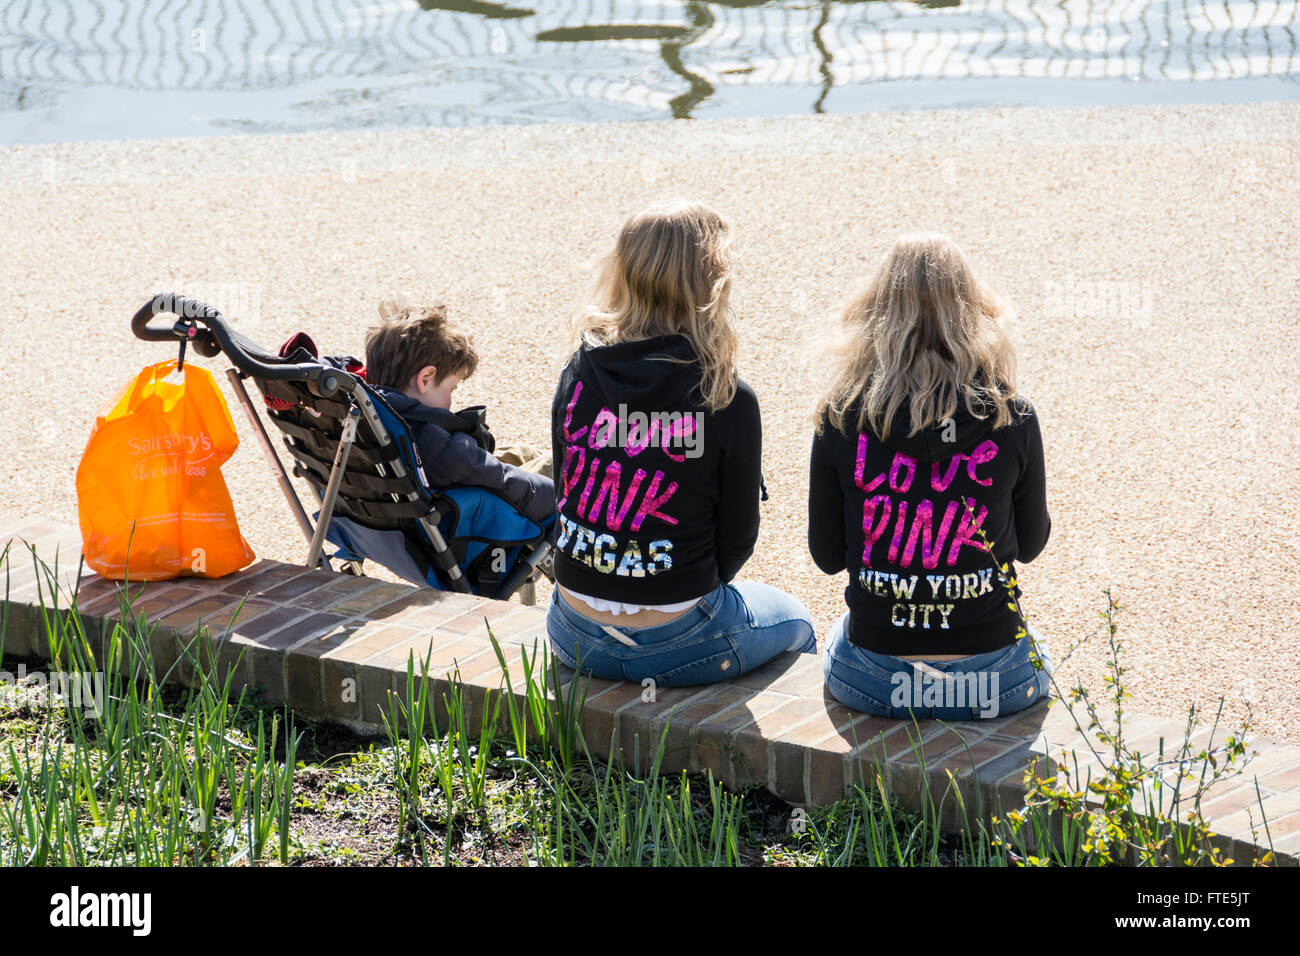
[150, 480]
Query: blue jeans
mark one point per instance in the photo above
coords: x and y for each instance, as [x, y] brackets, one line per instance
[988, 685]
[733, 630]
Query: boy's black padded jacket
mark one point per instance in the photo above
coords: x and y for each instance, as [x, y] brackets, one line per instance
[658, 497]
[455, 457]
[903, 515]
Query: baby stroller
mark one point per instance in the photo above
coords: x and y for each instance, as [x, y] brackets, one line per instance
[359, 458]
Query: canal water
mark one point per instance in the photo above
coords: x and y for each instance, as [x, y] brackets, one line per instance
[89, 69]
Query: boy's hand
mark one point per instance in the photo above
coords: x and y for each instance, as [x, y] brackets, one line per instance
[476, 415]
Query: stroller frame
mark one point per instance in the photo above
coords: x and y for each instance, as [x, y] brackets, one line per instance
[207, 330]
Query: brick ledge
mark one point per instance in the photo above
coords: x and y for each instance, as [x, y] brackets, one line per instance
[304, 637]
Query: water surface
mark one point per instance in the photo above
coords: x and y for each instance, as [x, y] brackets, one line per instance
[86, 69]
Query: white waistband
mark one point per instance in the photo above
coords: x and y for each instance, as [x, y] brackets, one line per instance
[618, 607]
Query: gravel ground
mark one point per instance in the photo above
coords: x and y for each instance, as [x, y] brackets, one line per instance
[1151, 253]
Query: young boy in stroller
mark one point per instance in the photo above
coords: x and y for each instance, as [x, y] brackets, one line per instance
[414, 361]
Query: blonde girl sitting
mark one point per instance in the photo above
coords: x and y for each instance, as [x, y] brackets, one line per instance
[927, 485]
[658, 445]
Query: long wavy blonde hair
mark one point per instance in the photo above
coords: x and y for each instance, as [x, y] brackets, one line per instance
[669, 272]
[926, 331]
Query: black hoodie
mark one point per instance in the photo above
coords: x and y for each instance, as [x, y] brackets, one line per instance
[658, 498]
[897, 513]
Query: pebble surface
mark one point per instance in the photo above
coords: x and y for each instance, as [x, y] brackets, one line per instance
[1152, 255]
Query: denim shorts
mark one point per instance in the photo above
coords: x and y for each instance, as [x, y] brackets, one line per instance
[988, 685]
[732, 630]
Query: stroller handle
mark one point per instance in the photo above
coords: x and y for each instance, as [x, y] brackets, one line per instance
[217, 337]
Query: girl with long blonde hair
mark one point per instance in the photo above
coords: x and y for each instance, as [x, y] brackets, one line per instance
[658, 448]
[927, 484]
